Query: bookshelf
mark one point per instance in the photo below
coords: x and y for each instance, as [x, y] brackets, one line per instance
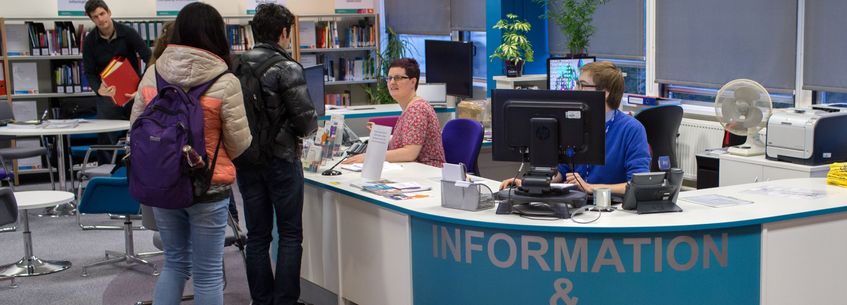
[346, 45]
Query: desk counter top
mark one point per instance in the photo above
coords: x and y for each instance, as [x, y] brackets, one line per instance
[372, 111]
[694, 217]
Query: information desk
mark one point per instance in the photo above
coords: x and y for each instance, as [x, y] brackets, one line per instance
[372, 250]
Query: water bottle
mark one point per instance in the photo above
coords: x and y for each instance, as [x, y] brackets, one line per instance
[192, 157]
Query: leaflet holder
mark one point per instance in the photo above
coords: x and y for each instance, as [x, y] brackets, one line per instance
[464, 196]
[654, 192]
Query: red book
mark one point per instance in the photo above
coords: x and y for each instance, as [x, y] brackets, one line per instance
[122, 75]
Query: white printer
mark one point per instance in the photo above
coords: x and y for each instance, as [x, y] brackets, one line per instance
[807, 136]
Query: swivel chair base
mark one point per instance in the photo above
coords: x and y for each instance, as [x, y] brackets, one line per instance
[11, 279]
[130, 257]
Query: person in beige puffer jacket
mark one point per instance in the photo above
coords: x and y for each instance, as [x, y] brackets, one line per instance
[198, 52]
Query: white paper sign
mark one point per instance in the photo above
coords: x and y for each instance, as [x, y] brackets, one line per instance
[170, 7]
[250, 5]
[25, 110]
[354, 6]
[71, 7]
[377, 146]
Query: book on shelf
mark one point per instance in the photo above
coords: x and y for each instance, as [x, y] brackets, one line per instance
[240, 36]
[122, 75]
[17, 40]
[308, 35]
[148, 30]
[68, 78]
[24, 78]
[337, 99]
[349, 69]
[2, 81]
[28, 163]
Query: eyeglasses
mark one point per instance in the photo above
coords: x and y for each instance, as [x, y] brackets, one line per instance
[396, 78]
[584, 85]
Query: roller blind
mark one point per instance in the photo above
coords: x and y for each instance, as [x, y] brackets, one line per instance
[825, 46]
[619, 31]
[467, 15]
[708, 43]
[425, 17]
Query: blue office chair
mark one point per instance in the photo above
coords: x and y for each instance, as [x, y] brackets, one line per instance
[86, 173]
[8, 215]
[111, 195]
[462, 140]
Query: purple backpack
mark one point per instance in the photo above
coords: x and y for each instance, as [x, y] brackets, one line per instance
[158, 171]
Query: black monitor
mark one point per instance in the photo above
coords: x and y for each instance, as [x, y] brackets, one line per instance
[450, 62]
[315, 83]
[563, 73]
[548, 127]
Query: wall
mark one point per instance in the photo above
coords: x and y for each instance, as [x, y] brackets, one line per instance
[140, 8]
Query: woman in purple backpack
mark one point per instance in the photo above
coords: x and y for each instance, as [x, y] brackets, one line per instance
[193, 236]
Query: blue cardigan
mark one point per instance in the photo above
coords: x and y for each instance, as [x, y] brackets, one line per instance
[627, 152]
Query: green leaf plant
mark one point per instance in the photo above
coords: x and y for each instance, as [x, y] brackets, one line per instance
[515, 47]
[395, 48]
[574, 20]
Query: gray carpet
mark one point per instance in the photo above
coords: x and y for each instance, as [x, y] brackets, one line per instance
[61, 239]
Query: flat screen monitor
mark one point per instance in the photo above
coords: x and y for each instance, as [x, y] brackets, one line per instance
[315, 84]
[450, 62]
[563, 73]
[543, 126]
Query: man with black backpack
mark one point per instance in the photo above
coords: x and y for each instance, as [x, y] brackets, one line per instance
[270, 176]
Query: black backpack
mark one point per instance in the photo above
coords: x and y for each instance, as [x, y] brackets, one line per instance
[262, 127]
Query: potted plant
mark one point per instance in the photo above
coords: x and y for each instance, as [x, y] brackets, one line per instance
[396, 48]
[574, 19]
[516, 48]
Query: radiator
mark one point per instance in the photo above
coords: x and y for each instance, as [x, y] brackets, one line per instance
[695, 136]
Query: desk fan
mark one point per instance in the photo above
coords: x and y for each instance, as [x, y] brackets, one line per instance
[743, 107]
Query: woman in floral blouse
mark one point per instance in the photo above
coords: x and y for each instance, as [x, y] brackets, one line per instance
[417, 134]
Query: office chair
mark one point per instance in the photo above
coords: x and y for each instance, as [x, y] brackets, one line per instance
[662, 126]
[86, 173]
[462, 140]
[14, 153]
[8, 215]
[389, 121]
[111, 195]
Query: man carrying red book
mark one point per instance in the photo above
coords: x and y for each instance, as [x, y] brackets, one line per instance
[104, 42]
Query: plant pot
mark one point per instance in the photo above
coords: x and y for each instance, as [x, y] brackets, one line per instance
[579, 55]
[513, 68]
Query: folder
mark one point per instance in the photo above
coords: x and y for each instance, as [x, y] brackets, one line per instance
[122, 75]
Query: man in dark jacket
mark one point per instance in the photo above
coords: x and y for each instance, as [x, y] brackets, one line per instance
[276, 187]
[109, 39]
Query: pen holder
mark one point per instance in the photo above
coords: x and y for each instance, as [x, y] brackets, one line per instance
[468, 198]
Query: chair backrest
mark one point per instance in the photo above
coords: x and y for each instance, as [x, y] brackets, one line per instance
[462, 140]
[8, 207]
[108, 195]
[389, 121]
[6, 113]
[662, 126]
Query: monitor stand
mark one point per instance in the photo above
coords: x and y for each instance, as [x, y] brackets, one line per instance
[553, 204]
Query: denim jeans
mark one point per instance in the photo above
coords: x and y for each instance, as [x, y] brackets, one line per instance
[276, 189]
[198, 229]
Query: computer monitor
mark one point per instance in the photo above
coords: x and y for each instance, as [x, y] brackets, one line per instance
[548, 127]
[563, 73]
[450, 62]
[315, 83]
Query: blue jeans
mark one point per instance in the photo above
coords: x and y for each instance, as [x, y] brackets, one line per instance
[197, 229]
[276, 189]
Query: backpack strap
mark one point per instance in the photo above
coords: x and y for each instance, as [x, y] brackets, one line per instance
[267, 64]
[200, 89]
[215, 156]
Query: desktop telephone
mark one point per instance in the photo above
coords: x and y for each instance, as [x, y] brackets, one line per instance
[357, 148]
[653, 192]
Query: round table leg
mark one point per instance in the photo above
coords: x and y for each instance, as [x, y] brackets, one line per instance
[31, 265]
[65, 209]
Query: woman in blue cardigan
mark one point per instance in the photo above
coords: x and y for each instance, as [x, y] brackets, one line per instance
[627, 151]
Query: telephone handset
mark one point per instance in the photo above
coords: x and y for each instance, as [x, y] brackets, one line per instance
[357, 148]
